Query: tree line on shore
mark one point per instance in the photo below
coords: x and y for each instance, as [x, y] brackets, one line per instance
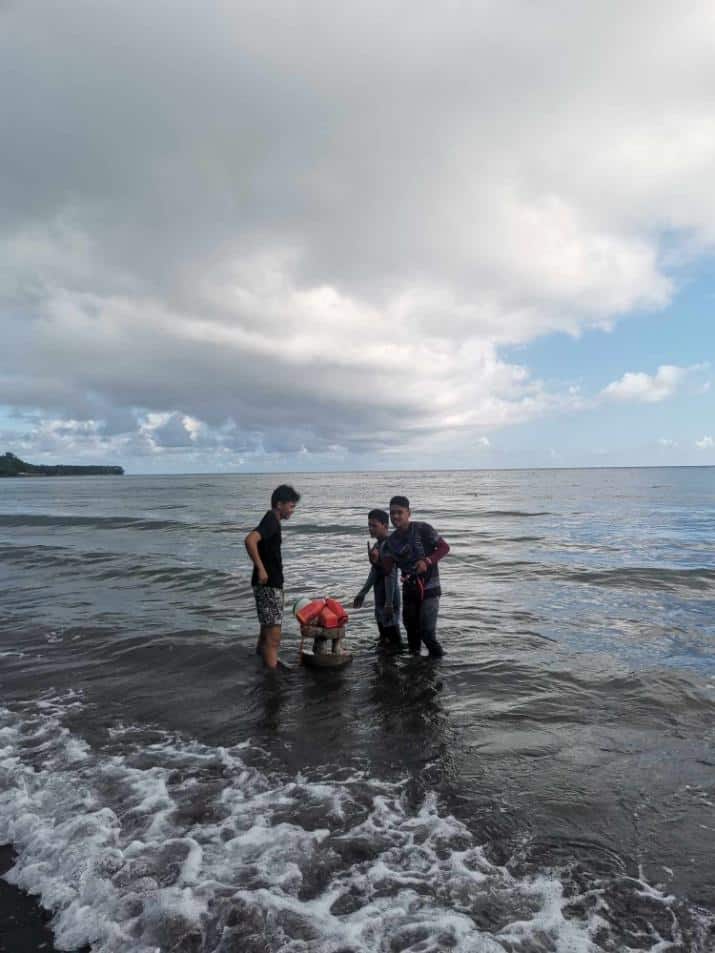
[12, 466]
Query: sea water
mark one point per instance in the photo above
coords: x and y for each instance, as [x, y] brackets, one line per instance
[547, 786]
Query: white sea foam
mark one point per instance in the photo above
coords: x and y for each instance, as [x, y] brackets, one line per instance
[179, 846]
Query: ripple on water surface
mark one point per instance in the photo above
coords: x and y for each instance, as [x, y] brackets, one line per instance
[547, 787]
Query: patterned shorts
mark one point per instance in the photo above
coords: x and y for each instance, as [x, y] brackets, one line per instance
[269, 605]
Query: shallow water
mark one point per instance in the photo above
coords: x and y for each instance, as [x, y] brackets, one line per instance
[548, 786]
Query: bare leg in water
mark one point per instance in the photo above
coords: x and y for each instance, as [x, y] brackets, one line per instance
[269, 642]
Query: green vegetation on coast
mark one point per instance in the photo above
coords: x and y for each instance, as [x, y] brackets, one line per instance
[12, 466]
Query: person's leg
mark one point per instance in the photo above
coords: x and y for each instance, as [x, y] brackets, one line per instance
[391, 638]
[428, 626]
[269, 605]
[395, 633]
[411, 619]
[258, 596]
[271, 638]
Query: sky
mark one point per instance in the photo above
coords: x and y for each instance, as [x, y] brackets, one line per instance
[282, 236]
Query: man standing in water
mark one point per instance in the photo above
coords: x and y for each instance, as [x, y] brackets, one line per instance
[387, 593]
[416, 548]
[264, 547]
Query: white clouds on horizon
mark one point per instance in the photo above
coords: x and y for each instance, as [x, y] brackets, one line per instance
[647, 388]
[316, 228]
[706, 443]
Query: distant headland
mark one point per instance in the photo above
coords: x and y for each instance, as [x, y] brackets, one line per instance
[12, 466]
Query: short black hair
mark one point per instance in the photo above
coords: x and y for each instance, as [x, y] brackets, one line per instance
[284, 494]
[380, 515]
[400, 501]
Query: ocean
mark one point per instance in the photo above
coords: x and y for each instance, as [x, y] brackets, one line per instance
[547, 787]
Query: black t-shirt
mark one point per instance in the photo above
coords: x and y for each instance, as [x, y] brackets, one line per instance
[269, 549]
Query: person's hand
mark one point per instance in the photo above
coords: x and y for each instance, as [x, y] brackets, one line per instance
[421, 567]
[358, 601]
[262, 577]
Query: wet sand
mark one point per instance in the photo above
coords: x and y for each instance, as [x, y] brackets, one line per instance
[24, 924]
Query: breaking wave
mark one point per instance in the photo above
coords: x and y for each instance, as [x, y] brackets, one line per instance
[163, 842]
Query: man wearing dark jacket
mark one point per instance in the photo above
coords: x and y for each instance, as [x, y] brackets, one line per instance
[417, 549]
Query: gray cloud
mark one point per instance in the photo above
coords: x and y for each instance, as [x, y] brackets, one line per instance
[307, 227]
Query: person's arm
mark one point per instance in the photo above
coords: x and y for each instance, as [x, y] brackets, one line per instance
[251, 543]
[369, 583]
[387, 562]
[440, 550]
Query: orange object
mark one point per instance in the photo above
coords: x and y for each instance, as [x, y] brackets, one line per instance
[310, 612]
[335, 607]
[328, 619]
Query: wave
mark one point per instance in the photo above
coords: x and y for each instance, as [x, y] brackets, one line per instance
[327, 529]
[696, 578]
[156, 842]
[141, 524]
[187, 577]
[123, 569]
[93, 522]
[502, 513]
[106, 565]
[645, 577]
[58, 557]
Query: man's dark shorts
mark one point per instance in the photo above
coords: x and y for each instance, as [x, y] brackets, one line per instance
[269, 605]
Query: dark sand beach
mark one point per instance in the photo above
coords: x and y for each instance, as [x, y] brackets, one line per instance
[24, 924]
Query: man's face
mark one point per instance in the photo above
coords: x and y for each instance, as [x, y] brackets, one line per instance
[285, 510]
[400, 517]
[376, 529]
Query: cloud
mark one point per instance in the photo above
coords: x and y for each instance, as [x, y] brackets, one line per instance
[304, 227]
[646, 388]
[171, 431]
[706, 443]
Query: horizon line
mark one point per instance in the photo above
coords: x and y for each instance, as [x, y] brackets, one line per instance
[650, 466]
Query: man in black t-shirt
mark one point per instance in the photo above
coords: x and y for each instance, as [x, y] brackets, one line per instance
[264, 547]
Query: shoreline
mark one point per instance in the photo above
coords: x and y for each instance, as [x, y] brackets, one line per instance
[24, 924]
